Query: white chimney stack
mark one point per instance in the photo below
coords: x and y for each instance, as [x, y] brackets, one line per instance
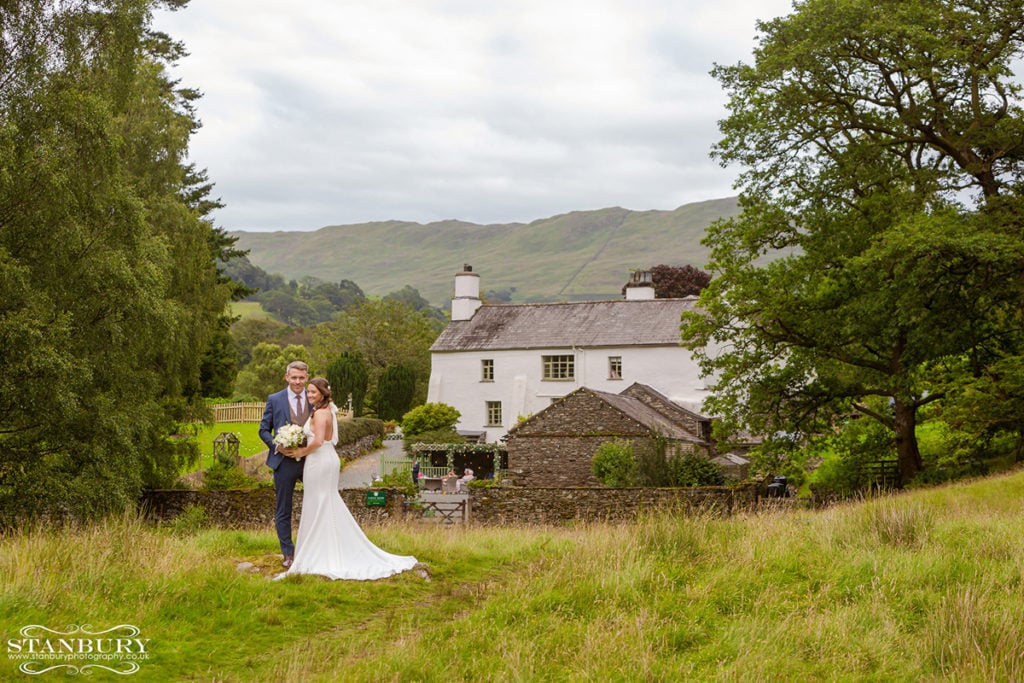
[640, 286]
[467, 294]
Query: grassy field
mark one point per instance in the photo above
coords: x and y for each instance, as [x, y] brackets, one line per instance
[248, 309]
[248, 434]
[925, 586]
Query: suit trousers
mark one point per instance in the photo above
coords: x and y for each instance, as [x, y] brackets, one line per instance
[285, 476]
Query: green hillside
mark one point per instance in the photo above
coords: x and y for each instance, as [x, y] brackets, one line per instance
[578, 255]
[247, 309]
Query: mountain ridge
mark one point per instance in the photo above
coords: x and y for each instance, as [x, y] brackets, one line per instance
[576, 255]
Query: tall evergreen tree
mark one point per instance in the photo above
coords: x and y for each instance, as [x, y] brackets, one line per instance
[348, 376]
[395, 392]
[108, 290]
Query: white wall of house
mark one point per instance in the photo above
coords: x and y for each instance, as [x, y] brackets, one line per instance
[456, 378]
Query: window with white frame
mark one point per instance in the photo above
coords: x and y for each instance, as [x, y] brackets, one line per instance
[614, 367]
[487, 370]
[493, 413]
[558, 368]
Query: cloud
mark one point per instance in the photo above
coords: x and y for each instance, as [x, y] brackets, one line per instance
[335, 111]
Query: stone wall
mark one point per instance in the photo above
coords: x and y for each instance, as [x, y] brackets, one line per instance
[557, 461]
[254, 509]
[489, 506]
[515, 506]
[356, 449]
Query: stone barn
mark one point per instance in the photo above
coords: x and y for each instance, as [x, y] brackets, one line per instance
[554, 447]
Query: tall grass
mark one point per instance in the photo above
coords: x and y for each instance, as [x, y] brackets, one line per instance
[921, 586]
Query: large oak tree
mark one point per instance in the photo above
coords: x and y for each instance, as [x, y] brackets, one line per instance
[881, 144]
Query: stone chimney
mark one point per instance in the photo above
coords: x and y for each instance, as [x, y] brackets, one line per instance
[467, 294]
[640, 286]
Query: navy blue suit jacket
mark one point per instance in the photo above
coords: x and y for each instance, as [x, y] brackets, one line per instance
[276, 415]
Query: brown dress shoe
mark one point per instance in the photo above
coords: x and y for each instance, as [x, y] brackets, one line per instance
[287, 561]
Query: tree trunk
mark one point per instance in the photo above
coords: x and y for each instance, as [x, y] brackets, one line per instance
[905, 426]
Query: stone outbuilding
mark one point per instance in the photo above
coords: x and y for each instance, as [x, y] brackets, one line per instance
[733, 465]
[554, 447]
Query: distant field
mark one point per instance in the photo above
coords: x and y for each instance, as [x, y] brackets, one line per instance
[248, 309]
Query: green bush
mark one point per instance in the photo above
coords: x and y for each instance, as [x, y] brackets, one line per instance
[399, 480]
[220, 401]
[693, 469]
[429, 417]
[221, 477]
[614, 464]
[847, 453]
[433, 436]
[350, 431]
[191, 520]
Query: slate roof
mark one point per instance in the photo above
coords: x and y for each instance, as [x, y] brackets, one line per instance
[730, 459]
[647, 416]
[664, 402]
[631, 407]
[585, 324]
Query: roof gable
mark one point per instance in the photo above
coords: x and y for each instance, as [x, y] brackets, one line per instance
[663, 404]
[585, 324]
[629, 407]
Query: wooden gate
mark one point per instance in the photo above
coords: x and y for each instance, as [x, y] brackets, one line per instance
[444, 508]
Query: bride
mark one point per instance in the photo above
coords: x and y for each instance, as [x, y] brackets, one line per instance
[330, 542]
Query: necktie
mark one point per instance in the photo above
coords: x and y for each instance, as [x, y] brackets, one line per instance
[298, 405]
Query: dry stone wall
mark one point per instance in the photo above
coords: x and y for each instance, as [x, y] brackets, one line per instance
[490, 506]
[514, 506]
[254, 509]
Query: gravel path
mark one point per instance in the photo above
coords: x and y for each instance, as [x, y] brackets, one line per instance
[362, 471]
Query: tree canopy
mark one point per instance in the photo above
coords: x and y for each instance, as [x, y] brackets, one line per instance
[879, 251]
[265, 372]
[109, 297]
[676, 282]
[382, 332]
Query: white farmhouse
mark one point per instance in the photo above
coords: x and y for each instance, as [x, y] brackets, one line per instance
[495, 364]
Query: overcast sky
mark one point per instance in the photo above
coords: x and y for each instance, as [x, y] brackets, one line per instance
[328, 112]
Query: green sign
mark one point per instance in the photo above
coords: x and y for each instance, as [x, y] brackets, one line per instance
[376, 498]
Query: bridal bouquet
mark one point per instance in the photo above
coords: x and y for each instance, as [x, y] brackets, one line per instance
[289, 436]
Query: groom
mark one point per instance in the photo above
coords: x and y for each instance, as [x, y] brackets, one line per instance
[288, 406]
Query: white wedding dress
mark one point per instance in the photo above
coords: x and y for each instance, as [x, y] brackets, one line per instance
[330, 542]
